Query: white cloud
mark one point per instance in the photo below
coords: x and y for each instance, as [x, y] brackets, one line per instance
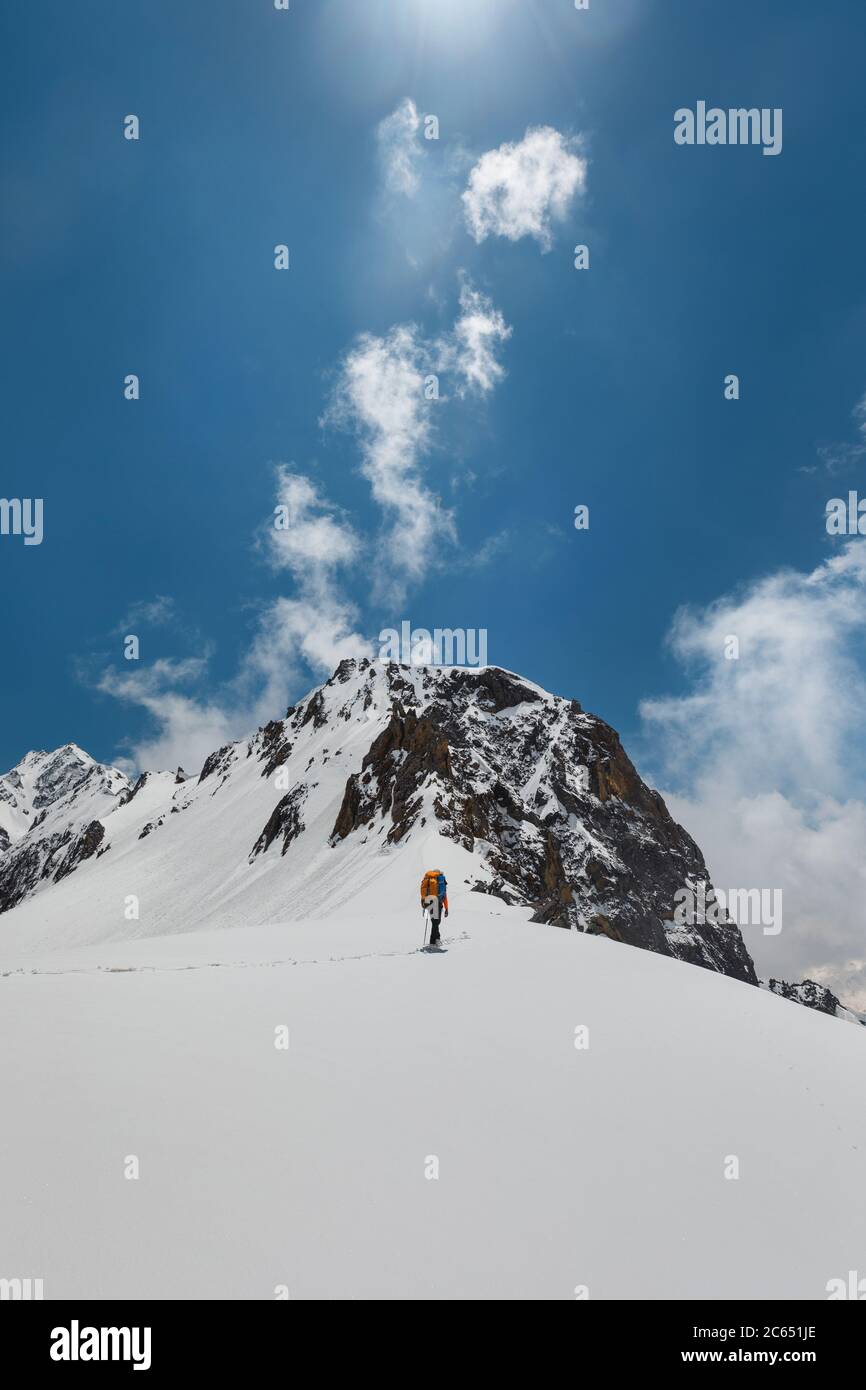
[490, 550]
[187, 728]
[314, 629]
[521, 188]
[796, 691]
[472, 350]
[156, 612]
[763, 759]
[399, 148]
[312, 632]
[380, 394]
[316, 540]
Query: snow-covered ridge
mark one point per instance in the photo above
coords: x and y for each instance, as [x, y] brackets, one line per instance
[50, 809]
[43, 783]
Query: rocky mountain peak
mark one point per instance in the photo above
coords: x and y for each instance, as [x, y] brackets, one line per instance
[541, 793]
[49, 808]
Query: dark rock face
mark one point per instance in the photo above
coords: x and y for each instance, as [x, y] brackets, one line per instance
[314, 709]
[218, 763]
[284, 820]
[548, 797]
[63, 775]
[20, 872]
[275, 746]
[493, 689]
[84, 846]
[408, 751]
[55, 856]
[808, 992]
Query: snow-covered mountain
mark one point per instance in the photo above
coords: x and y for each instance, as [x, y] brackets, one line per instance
[524, 795]
[51, 806]
[376, 775]
[47, 787]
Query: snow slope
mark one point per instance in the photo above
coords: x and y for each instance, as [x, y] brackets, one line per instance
[558, 1167]
[183, 850]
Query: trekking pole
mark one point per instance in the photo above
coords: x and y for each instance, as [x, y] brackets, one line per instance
[426, 925]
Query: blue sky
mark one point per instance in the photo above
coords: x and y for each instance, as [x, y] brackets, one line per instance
[259, 127]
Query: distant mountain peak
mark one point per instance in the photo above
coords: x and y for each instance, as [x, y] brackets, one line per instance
[45, 801]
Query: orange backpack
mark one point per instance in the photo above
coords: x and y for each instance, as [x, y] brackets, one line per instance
[430, 883]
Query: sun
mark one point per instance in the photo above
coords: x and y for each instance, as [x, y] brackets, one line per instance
[449, 25]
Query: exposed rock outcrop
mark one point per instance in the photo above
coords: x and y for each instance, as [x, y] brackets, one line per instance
[814, 996]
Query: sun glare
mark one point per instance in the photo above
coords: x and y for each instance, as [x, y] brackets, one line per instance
[453, 24]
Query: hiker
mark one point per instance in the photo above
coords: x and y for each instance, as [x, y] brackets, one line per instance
[434, 899]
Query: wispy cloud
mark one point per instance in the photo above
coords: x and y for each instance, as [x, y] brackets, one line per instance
[155, 612]
[523, 188]
[400, 151]
[490, 550]
[841, 457]
[472, 351]
[308, 537]
[316, 628]
[838, 457]
[380, 396]
[188, 727]
[759, 758]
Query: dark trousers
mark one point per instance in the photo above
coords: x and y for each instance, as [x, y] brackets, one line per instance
[435, 919]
